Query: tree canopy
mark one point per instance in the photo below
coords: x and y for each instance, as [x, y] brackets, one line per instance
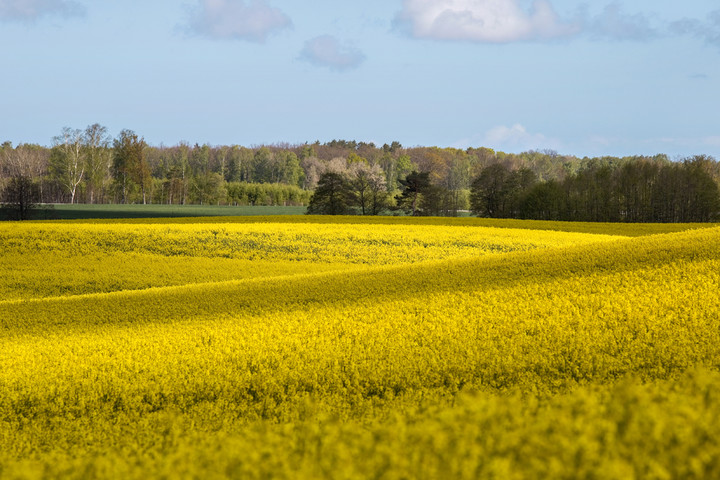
[89, 166]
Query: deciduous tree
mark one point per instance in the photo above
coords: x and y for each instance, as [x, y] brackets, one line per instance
[98, 159]
[129, 164]
[366, 188]
[67, 160]
[19, 197]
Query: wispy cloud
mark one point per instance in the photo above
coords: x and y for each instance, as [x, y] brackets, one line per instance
[713, 141]
[491, 21]
[506, 21]
[517, 138]
[237, 20]
[708, 29]
[328, 51]
[614, 24]
[31, 10]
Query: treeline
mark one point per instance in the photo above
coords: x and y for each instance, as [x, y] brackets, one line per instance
[604, 190]
[90, 166]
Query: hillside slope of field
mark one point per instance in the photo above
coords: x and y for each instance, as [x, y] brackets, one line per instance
[417, 350]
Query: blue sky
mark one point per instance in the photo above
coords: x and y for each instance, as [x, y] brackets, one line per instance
[607, 78]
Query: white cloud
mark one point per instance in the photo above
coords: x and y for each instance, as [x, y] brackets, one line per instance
[517, 138]
[327, 51]
[238, 20]
[504, 21]
[493, 21]
[503, 134]
[30, 10]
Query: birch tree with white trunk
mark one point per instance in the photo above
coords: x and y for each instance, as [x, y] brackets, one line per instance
[67, 162]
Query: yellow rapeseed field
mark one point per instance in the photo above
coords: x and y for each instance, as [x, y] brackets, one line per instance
[359, 348]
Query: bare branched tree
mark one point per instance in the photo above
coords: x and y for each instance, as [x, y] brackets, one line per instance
[98, 159]
[67, 162]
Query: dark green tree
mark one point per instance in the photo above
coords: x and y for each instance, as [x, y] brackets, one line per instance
[543, 201]
[19, 197]
[129, 164]
[263, 161]
[497, 192]
[487, 191]
[437, 201]
[414, 186]
[701, 202]
[331, 195]
[289, 168]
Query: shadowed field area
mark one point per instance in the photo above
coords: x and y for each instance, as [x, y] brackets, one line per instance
[427, 348]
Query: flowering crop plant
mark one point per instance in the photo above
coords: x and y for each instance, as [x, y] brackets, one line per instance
[318, 347]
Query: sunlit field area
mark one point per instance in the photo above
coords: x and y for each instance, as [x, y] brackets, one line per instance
[348, 347]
